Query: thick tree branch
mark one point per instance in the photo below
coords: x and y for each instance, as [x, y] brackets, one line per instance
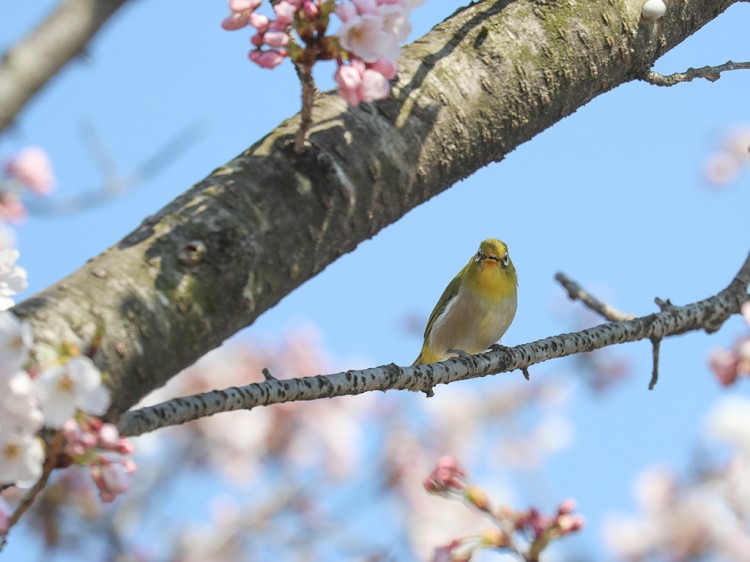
[485, 80]
[33, 61]
[710, 73]
[705, 314]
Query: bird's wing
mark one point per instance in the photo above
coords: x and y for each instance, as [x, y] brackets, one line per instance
[448, 295]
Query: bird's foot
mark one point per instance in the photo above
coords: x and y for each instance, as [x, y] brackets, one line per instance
[459, 352]
[498, 347]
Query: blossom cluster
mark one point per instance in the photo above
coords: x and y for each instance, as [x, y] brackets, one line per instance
[365, 46]
[449, 479]
[63, 397]
[726, 164]
[30, 170]
[730, 364]
[700, 517]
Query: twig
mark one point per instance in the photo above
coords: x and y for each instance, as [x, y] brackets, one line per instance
[656, 342]
[32, 62]
[308, 96]
[28, 499]
[710, 73]
[576, 292]
[117, 186]
[677, 320]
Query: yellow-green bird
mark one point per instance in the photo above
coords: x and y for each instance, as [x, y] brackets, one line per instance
[475, 309]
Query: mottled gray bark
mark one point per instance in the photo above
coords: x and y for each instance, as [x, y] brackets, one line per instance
[32, 62]
[488, 78]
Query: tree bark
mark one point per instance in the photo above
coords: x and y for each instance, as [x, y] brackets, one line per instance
[32, 62]
[488, 78]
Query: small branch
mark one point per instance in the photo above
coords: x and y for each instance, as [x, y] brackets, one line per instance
[677, 320]
[304, 71]
[29, 64]
[710, 73]
[31, 495]
[576, 292]
[656, 342]
[116, 186]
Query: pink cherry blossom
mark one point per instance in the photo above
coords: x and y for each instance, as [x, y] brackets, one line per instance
[365, 6]
[32, 168]
[364, 37]
[724, 364]
[12, 208]
[345, 11]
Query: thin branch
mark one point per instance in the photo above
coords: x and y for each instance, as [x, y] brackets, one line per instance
[656, 342]
[32, 62]
[576, 292]
[304, 71]
[49, 464]
[675, 320]
[710, 73]
[117, 186]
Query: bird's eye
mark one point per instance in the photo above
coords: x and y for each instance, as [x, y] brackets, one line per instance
[478, 256]
[506, 260]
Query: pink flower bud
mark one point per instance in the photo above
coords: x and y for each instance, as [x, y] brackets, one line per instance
[234, 22]
[109, 437]
[276, 39]
[267, 59]
[567, 506]
[259, 21]
[374, 86]
[243, 5]
[311, 9]
[285, 12]
[385, 66]
[725, 365]
[124, 446]
[447, 476]
[257, 40]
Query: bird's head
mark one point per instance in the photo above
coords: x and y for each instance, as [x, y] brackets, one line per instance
[492, 253]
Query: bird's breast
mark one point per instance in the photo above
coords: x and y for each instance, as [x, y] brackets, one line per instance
[472, 322]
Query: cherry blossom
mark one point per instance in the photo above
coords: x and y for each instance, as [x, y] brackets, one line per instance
[33, 169]
[19, 411]
[21, 458]
[15, 342]
[13, 278]
[75, 385]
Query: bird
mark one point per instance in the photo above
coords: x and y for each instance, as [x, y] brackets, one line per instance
[476, 308]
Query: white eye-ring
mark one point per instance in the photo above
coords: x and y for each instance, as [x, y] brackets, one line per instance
[506, 260]
[478, 256]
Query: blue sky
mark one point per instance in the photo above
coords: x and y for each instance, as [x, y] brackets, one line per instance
[612, 195]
